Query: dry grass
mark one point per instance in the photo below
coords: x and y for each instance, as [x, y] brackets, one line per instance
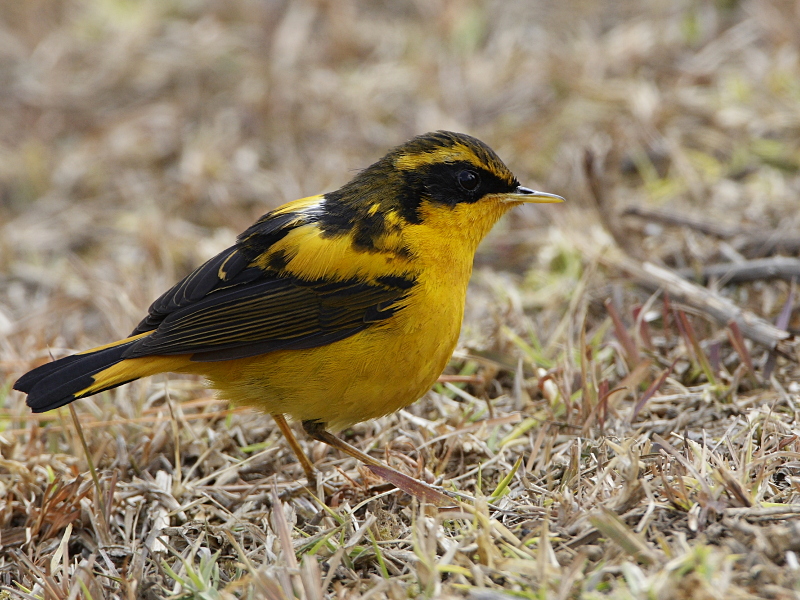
[614, 444]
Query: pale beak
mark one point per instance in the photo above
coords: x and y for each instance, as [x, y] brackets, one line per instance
[523, 194]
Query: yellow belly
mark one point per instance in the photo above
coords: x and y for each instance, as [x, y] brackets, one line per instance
[373, 373]
[384, 368]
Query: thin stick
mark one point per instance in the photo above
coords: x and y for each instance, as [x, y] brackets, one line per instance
[177, 470]
[718, 307]
[776, 267]
[92, 470]
[674, 218]
[749, 241]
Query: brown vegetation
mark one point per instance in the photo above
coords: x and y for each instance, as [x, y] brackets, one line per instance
[611, 439]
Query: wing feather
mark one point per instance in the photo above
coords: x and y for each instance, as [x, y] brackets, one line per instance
[233, 306]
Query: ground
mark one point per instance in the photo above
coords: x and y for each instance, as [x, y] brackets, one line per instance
[614, 434]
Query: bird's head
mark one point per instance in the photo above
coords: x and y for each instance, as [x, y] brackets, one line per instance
[440, 183]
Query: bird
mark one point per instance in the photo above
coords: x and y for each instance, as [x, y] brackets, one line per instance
[332, 309]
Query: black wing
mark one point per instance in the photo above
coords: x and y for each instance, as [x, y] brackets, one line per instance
[229, 309]
[228, 268]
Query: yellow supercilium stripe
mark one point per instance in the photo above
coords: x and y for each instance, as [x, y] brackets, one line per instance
[409, 162]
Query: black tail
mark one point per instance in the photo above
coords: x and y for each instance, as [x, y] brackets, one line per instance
[59, 382]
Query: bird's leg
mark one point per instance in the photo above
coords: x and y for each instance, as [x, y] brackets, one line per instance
[317, 431]
[311, 472]
[409, 485]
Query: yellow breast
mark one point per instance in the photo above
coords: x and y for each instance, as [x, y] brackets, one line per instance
[370, 374]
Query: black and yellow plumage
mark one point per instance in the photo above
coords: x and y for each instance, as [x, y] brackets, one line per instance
[333, 309]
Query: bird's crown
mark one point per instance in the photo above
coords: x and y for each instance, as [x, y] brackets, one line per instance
[447, 148]
[441, 167]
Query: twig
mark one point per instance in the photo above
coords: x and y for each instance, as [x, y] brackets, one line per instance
[101, 507]
[672, 218]
[776, 267]
[749, 241]
[763, 512]
[715, 306]
[765, 243]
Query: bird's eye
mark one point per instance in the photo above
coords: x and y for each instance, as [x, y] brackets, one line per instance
[469, 180]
